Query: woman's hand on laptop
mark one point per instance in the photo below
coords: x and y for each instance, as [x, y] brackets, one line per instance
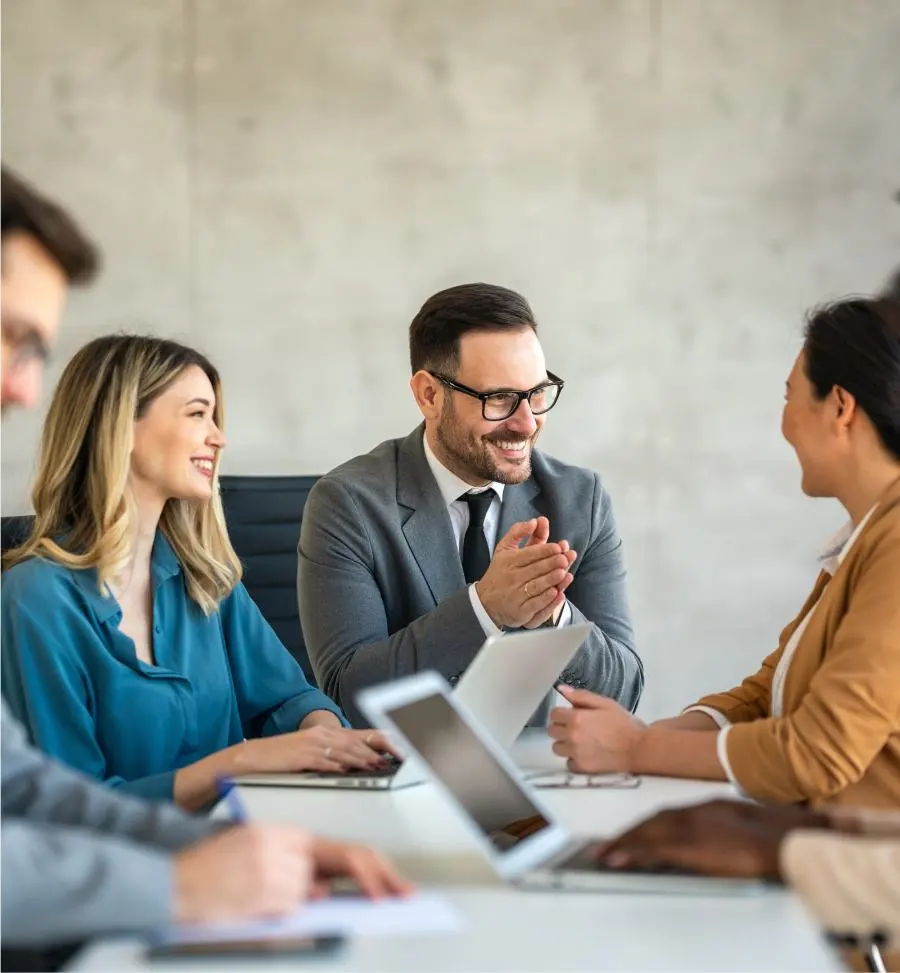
[372, 738]
[596, 735]
[373, 873]
[319, 748]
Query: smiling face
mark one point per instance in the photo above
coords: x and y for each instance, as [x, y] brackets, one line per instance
[176, 441]
[817, 429]
[478, 450]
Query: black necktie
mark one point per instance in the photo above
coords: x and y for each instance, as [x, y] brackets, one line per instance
[476, 555]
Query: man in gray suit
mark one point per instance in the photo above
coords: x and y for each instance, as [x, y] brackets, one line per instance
[412, 554]
[77, 859]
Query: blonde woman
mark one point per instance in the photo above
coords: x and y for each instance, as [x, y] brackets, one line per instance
[131, 650]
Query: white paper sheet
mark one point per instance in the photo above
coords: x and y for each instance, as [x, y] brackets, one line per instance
[339, 916]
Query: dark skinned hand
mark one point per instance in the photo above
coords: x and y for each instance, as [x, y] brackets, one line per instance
[733, 839]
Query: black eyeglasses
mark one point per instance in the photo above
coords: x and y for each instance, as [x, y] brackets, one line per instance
[27, 343]
[500, 405]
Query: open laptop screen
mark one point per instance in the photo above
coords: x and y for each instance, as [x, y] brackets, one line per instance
[456, 756]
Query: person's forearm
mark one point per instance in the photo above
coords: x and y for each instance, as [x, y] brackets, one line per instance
[688, 721]
[195, 785]
[320, 717]
[42, 790]
[676, 753]
[864, 820]
[62, 884]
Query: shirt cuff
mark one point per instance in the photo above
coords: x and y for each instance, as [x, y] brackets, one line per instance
[722, 753]
[485, 620]
[721, 720]
[287, 717]
[867, 820]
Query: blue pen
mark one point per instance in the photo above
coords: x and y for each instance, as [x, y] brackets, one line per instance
[228, 792]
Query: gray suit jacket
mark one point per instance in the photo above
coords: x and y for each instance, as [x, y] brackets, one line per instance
[78, 859]
[381, 586]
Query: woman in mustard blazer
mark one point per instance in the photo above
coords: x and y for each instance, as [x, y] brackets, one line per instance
[820, 720]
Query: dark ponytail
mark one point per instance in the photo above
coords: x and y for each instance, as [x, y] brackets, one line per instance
[855, 344]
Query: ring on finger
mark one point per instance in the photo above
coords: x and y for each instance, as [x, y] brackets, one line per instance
[527, 592]
[327, 753]
[369, 738]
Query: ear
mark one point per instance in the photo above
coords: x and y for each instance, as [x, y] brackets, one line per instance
[845, 405]
[429, 394]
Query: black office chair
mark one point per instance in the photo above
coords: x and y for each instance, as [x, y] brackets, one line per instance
[263, 515]
[15, 530]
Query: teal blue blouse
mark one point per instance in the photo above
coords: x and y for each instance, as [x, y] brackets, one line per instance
[73, 679]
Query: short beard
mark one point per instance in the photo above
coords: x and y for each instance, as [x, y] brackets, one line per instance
[468, 455]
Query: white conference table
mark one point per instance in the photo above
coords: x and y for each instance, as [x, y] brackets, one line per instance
[507, 929]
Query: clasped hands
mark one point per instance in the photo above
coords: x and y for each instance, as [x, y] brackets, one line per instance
[525, 583]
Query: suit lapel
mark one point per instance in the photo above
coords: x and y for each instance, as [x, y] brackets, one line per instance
[427, 529]
[521, 501]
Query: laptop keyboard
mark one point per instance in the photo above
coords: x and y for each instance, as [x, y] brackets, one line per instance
[393, 766]
[584, 859]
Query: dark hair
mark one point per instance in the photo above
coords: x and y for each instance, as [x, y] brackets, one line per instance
[24, 210]
[446, 316]
[891, 290]
[855, 344]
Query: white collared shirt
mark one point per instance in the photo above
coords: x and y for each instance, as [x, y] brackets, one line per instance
[831, 558]
[452, 488]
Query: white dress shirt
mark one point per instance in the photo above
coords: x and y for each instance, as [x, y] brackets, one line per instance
[452, 488]
[831, 558]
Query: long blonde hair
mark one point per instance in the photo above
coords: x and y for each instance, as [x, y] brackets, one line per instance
[85, 515]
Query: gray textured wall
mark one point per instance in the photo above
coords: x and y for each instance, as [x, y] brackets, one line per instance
[283, 182]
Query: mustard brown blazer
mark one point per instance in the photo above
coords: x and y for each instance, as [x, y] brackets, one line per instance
[838, 741]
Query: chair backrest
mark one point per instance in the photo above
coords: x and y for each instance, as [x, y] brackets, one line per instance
[15, 530]
[263, 515]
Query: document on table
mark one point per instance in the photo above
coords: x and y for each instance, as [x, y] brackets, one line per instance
[339, 916]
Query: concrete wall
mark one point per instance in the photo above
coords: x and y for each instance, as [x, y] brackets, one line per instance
[283, 182]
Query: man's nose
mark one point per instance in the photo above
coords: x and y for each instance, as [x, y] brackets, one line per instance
[22, 387]
[523, 420]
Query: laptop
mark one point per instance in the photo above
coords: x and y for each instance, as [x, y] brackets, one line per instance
[504, 685]
[514, 829]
